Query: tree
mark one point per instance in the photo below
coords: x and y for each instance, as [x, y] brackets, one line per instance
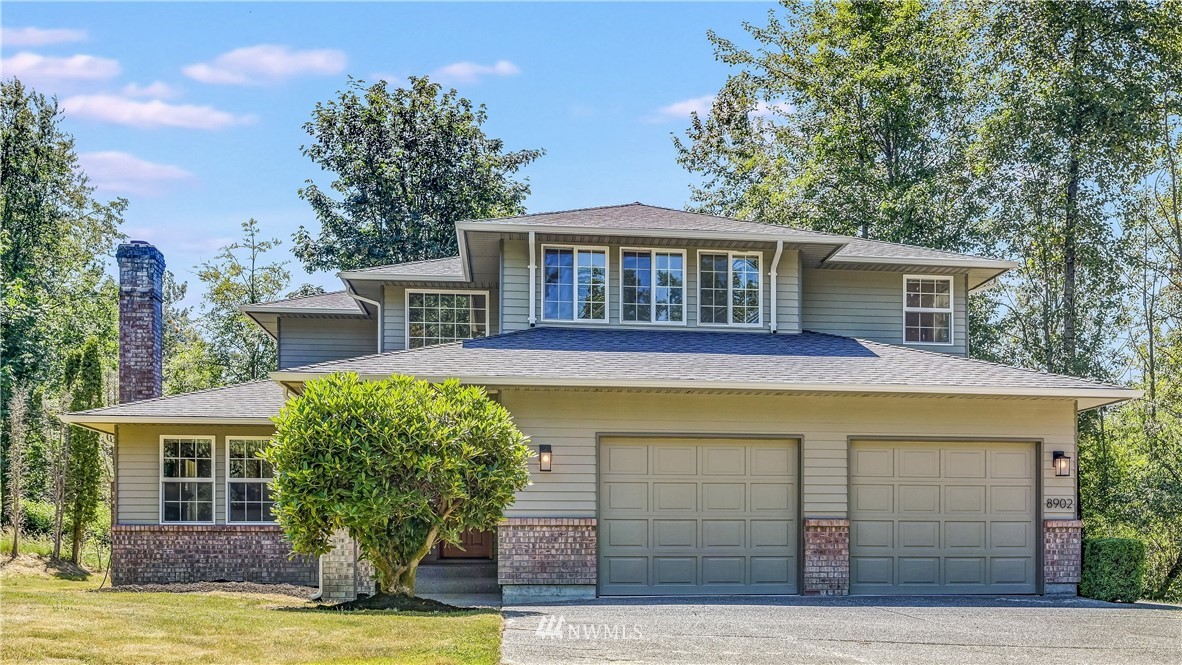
[409, 163]
[399, 464]
[853, 117]
[54, 236]
[18, 410]
[237, 276]
[188, 359]
[84, 470]
[1071, 132]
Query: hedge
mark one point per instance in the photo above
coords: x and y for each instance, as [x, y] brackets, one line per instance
[1113, 569]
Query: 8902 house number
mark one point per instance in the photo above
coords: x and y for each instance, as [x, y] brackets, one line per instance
[1059, 502]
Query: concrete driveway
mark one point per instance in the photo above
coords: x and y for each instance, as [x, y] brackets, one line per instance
[793, 629]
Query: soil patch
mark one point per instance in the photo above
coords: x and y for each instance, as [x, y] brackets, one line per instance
[397, 603]
[304, 592]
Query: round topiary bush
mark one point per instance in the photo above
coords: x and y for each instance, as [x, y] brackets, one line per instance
[1113, 569]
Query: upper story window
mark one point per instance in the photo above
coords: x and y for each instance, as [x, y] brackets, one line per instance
[652, 286]
[574, 283]
[729, 291]
[248, 481]
[186, 478]
[436, 317]
[927, 310]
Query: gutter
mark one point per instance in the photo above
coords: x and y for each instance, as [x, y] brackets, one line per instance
[533, 281]
[377, 305]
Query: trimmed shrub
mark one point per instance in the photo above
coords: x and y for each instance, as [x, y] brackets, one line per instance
[36, 518]
[1113, 569]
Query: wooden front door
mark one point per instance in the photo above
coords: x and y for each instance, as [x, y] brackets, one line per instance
[476, 545]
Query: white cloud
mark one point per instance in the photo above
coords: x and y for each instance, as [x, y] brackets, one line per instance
[33, 67]
[681, 110]
[157, 89]
[471, 72]
[153, 113]
[266, 63]
[119, 172]
[40, 37]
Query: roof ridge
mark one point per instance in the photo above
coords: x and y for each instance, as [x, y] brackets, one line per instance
[166, 397]
[554, 212]
[981, 361]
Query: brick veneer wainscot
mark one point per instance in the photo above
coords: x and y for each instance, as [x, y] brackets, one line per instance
[1062, 551]
[166, 553]
[546, 550]
[826, 557]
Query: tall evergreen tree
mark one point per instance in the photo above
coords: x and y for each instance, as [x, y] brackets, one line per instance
[84, 470]
[850, 116]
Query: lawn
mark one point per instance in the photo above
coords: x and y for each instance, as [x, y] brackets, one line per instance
[46, 617]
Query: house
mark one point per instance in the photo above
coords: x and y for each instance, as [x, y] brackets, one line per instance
[723, 407]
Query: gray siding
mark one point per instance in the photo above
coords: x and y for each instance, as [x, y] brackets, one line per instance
[394, 312]
[303, 341]
[137, 467]
[571, 420]
[869, 304]
[515, 282]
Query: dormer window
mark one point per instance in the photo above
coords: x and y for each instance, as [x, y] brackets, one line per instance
[652, 286]
[574, 283]
[729, 291]
[927, 310]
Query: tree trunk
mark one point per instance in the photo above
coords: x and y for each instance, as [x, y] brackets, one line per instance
[76, 549]
[1171, 575]
[399, 580]
[59, 499]
[1070, 350]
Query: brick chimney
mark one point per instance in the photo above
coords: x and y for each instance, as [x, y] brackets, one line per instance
[141, 321]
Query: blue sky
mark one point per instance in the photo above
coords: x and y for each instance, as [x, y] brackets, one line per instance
[194, 111]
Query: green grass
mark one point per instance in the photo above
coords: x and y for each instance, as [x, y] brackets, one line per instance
[46, 618]
[93, 557]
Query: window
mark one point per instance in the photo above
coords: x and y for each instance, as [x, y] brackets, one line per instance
[652, 286]
[574, 283]
[436, 317]
[186, 479]
[927, 310]
[248, 481]
[729, 289]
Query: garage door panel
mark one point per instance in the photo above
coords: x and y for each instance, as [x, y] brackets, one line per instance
[873, 462]
[675, 496]
[919, 498]
[919, 463]
[969, 529]
[919, 534]
[724, 523]
[626, 460]
[625, 496]
[674, 534]
[723, 496]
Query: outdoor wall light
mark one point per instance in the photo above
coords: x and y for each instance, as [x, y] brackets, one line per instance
[1062, 463]
[545, 457]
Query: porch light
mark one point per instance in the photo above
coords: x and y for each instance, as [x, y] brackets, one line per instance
[1062, 463]
[545, 457]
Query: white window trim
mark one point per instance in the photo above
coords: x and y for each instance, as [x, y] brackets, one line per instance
[212, 480]
[228, 479]
[950, 311]
[730, 257]
[467, 292]
[607, 282]
[653, 277]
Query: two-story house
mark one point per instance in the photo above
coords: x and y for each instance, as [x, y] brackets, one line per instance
[721, 407]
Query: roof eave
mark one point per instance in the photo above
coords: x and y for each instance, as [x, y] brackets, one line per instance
[968, 262]
[1101, 396]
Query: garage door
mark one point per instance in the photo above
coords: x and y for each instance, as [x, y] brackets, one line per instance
[951, 518]
[691, 516]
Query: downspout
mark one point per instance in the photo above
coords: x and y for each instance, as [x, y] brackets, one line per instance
[775, 267]
[376, 305]
[533, 279]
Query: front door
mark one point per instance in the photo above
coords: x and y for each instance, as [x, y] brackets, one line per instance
[475, 545]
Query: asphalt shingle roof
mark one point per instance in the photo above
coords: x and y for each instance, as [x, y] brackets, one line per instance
[248, 401]
[446, 267]
[698, 359]
[333, 301]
